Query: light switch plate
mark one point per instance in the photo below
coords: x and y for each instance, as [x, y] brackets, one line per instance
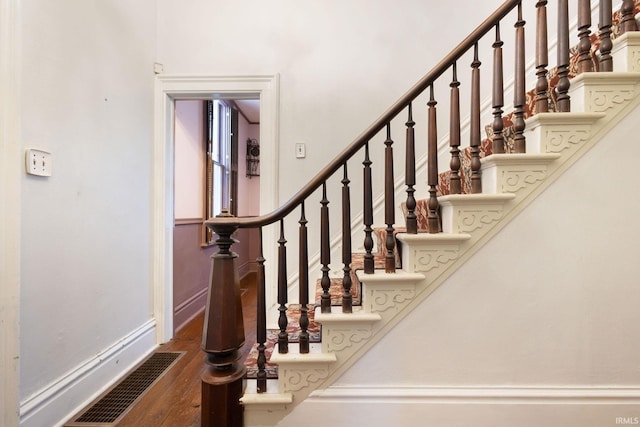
[301, 150]
[38, 162]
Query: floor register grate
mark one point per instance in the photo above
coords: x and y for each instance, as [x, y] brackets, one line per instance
[109, 408]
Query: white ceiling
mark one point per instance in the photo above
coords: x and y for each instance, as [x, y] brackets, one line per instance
[250, 108]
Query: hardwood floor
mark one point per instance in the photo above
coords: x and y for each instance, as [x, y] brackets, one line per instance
[175, 400]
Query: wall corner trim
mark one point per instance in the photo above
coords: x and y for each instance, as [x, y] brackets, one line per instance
[10, 205]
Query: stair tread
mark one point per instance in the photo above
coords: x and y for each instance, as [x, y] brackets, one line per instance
[315, 355]
[610, 77]
[337, 315]
[563, 118]
[474, 198]
[390, 277]
[436, 238]
[520, 158]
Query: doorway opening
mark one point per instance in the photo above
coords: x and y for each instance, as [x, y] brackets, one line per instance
[171, 91]
[216, 166]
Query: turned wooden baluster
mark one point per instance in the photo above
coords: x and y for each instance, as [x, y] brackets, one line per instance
[346, 244]
[584, 45]
[627, 21]
[606, 61]
[519, 90]
[474, 126]
[542, 59]
[562, 88]
[498, 95]
[368, 213]
[410, 174]
[303, 281]
[325, 254]
[283, 336]
[455, 186]
[223, 336]
[389, 205]
[261, 321]
[433, 219]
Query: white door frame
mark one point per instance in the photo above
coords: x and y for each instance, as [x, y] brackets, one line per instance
[169, 89]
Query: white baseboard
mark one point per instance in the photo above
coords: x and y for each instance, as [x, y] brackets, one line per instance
[471, 407]
[612, 393]
[58, 401]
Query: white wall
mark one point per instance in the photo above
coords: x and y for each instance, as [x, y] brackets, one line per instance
[538, 328]
[85, 248]
[341, 63]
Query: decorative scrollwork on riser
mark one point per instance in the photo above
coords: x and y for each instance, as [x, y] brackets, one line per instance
[296, 379]
[428, 259]
[470, 220]
[602, 100]
[341, 338]
[387, 299]
[514, 180]
[635, 61]
[560, 140]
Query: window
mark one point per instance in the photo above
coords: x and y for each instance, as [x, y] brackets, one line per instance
[222, 160]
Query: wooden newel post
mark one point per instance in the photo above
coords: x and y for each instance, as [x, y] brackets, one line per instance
[223, 336]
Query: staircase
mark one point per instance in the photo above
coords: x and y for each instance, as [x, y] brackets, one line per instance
[510, 182]
[453, 227]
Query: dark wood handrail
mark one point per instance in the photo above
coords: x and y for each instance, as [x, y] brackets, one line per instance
[372, 130]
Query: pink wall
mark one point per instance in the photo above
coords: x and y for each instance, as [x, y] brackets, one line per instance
[191, 265]
[248, 188]
[188, 159]
[248, 200]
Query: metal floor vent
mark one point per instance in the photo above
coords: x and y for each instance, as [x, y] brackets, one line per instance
[115, 403]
